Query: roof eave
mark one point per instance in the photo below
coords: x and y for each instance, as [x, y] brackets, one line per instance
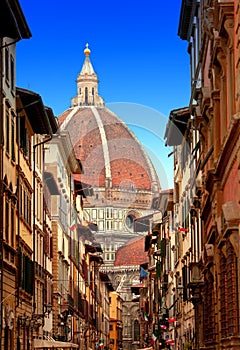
[36, 112]
[12, 21]
[52, 119]
[185, 18]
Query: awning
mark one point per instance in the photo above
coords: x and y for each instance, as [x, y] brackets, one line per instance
[105, 279]
[92, 225]
[82, 188]
[176, 126]
[142, 224]
[51, 183]
[53, 344]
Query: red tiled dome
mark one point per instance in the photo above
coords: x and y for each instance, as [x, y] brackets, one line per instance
[111, 155]
[107, 149]
[132, 253]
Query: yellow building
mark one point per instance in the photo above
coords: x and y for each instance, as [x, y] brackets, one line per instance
[116, 326]
[32, 118]
[13, 27]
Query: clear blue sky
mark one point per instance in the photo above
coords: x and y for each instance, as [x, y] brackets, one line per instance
[142, 64]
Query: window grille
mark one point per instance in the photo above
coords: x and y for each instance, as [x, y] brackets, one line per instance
[223, 284]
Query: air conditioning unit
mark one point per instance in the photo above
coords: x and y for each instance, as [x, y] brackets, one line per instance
[209, 249]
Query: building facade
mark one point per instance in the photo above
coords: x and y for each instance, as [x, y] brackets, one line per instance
[198, 274]
[9, 35]
[33, 127]
[205, 137]
[214, 66]
[124, 275]
[116, 324]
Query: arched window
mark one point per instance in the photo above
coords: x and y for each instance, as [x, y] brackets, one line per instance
[93, 96]
[86, 96]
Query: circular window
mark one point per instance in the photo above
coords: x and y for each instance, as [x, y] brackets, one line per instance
[129, 221]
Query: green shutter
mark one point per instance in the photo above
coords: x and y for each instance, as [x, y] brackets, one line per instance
[158, 269]
[163, 248]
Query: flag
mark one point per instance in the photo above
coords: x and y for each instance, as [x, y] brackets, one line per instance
[145, 316]
[73, 224]
[154, 338]
[143, 274]
[100, 344]
[182, 229]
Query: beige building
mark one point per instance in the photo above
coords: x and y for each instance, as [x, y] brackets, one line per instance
[185, 244]
[9, 34]
[34, 121]
[61, 164]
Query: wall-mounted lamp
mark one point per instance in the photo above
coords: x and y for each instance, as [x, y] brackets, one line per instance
[21, 320]
[47, 310]
[35, 323]
[24, 321]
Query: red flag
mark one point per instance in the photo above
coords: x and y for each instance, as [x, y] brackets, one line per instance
[182, 229]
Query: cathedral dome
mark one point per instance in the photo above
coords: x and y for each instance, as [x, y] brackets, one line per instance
[114, 161]
[115, 164]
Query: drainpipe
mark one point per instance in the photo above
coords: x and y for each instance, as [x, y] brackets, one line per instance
[18, 204]
[1, 187]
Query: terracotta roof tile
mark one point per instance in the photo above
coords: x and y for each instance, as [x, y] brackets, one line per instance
[132, 253]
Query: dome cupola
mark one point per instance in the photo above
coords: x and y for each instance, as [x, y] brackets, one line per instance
[87, 85]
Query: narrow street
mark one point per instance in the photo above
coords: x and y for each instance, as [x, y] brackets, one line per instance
[101, 248]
